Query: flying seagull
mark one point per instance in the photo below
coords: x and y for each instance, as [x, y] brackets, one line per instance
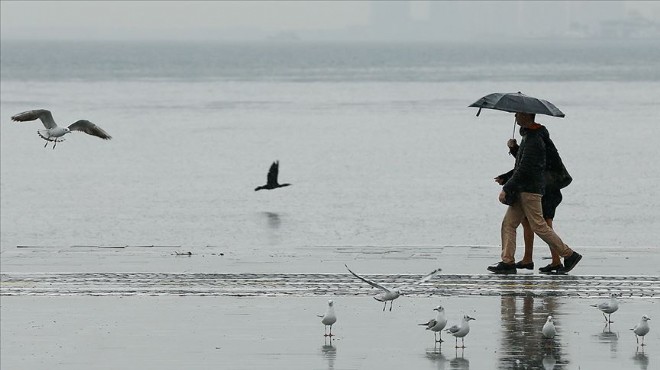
[641, 329]
[390, 295]
[329, 318]
[271, 182]
[436, 325]
[460, 331]
[608, 307]
[53, 132]
[549, 330]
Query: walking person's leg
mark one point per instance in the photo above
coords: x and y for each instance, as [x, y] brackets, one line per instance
[531, 205]
[510, 222]
[527, 261]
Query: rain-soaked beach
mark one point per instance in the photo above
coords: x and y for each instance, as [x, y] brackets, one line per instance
[76, 318]
[153, 251]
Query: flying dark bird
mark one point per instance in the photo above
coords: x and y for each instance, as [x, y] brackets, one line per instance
[271, 179]
[53, 133]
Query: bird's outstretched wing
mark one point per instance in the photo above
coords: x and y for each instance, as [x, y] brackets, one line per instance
[44, 115]
[90, 129]
[274, 170]
[368, 281]
[428, 276]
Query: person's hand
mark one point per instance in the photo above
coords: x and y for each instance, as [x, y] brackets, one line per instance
[512, 143]
[502, 197]
[499, 180]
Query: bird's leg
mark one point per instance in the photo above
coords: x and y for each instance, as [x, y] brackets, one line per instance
[637, 339]
[643, 342]
[463, 342]
[384, 306]
[46, 144]
[440, 337]
[330, 331]
[609, 318]
[456, 341]
[392, 301]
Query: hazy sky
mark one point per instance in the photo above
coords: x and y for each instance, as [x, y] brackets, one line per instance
[223, 20]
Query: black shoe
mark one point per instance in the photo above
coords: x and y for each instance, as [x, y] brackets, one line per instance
[529, 266]
[503, 268]
[550, 268]
[570, 262]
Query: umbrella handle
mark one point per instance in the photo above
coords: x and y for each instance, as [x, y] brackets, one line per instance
[513, 134]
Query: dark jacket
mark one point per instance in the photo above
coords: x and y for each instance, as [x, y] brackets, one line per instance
[528, 173]
[556, 175]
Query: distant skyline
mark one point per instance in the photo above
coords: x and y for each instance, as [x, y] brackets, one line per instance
[325, 20]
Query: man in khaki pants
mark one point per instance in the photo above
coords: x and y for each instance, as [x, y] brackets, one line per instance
[523, 192]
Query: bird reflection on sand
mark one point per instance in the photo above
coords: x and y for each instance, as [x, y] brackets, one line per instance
[549, 362]
[274, 219]
[435, 355]
[460, 362]
[609, 336]
[329, 352]
[640, 359]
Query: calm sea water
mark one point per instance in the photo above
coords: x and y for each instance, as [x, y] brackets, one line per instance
[376, 139]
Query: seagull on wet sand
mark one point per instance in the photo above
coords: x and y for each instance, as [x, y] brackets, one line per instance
[271, 179]
[549, 330]
[387, 294]
[329, 318]
[609, 307]
[436, 325]
[53, 132]
[460, 331]
[641, 329]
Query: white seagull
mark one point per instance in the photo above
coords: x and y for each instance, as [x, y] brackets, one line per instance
[549, 330]
[53, 132]
[436, 325]
[329, 318]
[387, 294]
[460, 331]
[608, 307]
[641, 329]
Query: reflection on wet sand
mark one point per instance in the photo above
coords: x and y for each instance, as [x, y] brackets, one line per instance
[274, 220]
[436, 356]
[608, 336]
[329, 353]
[640, 359]
[523, 345]
[459, 361]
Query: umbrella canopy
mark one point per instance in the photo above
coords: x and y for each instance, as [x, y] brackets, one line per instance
[517, 102]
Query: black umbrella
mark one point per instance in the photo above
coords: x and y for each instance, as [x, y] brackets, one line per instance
[517, 102]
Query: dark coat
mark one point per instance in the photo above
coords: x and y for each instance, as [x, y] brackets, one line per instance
[556, 175]
[528, 173]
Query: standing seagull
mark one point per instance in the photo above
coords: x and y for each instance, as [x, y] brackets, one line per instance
[608, 307]
[436, 325]
[271, 179]
[53, 132]
[460, 331]
[389, 295]
[641, 329]
[549, 330]
[329, 318]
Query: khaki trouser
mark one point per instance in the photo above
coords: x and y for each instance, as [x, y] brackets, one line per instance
[529, 205]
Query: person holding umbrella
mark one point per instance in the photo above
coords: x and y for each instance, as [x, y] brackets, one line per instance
[557, 178]
[523, 191]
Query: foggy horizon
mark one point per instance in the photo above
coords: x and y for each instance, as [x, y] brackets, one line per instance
[328, 21]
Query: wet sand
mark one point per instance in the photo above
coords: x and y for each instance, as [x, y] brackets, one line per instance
[81, 311]
[170, 332]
